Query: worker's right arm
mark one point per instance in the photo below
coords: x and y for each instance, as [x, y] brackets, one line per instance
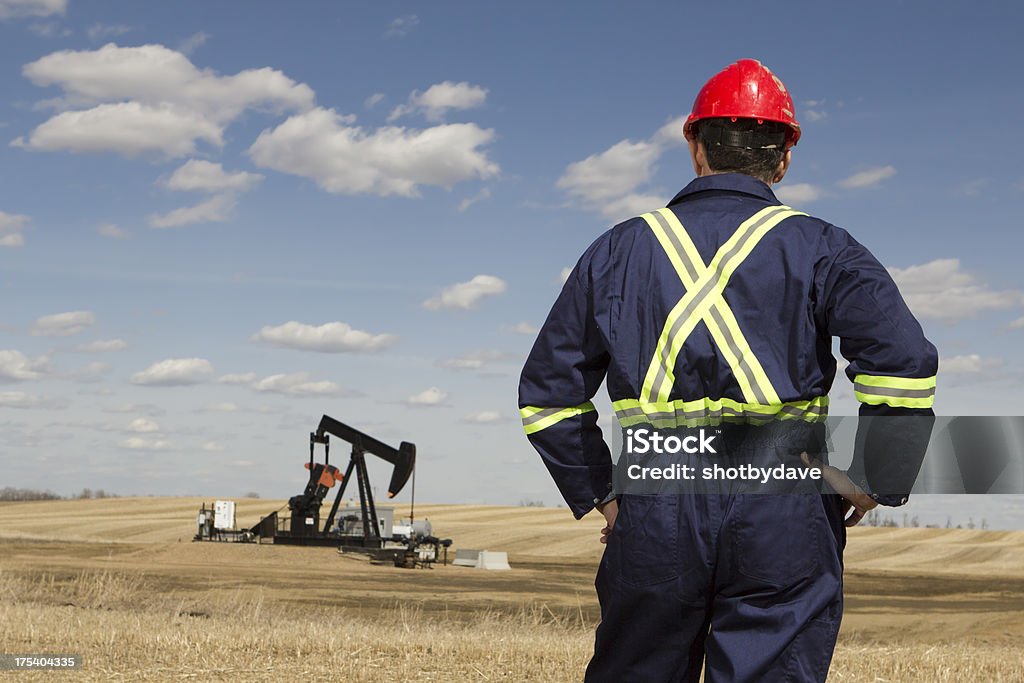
[563, 372]
[891, 364]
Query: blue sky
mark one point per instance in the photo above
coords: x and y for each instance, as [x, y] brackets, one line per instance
[219, 221]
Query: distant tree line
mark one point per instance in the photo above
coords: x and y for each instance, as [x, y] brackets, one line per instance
[874, 518]
[11, 494]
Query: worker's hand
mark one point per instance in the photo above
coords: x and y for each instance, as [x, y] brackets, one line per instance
[853, 496]
[610, 510]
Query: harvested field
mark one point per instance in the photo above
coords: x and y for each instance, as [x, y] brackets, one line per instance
[119, 582]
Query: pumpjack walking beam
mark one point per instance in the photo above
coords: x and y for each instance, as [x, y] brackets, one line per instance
[403, 459]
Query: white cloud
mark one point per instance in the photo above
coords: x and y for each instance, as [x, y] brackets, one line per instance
[219, 208]
[293, 384]
[466, 295]
[612, 181]
[149, 99]
[868, 177]
[49, 29]
[484, 193]
[100, 31]
[402, 26]
[174, 372]
[563, 275]
[17, 367]
[461, 363]
[968, 364]
[63, 324]
[334, 337]
[113, 231]
[941, 290]
[345, 159]
[102, 346]
[484, 417]
[972, 188]
[634, 204]
[1017, 324]
[127, 128]
[297, 384]
[91, 372]
[374, 99]
[613, 173]
[239, 378]
[428, 398]
[473, 361]
[814, 111]
[227, 407]
[521, 328]
[137, 408]
[143, 425]
[212, 447]
[31, 8]
[440, 98]
[11, 226]
[798, 193]
[23, 401]
[137, 443]
[205, 176]
[193, 42]
[671, 133]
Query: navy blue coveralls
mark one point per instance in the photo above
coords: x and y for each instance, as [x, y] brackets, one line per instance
[722, 305]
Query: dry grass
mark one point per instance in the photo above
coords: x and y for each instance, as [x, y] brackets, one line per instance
[238, 636]
[126, 632]
[923, 605]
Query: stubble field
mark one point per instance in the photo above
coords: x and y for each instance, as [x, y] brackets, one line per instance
[119, 582]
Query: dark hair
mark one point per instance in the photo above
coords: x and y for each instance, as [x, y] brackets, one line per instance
[743, 146]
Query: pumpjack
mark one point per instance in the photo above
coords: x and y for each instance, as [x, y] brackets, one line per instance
[361, 529]
[304, 526]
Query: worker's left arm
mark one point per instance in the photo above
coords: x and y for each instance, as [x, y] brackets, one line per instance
[563, 372]
[891, 364]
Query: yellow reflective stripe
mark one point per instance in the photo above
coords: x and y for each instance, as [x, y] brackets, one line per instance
[895, 401]
[535, 419]
[896, 382]
[898, 392]
[707, 411]
[704, 301]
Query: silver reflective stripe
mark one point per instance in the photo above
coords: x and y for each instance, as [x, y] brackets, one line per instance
[684, 316]
[746, 236]
[898, 393]
[798, 412]
[540, 415]
[744, 366]
[683, 414]
[674, 239]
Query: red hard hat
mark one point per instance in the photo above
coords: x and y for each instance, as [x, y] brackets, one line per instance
[745, 90]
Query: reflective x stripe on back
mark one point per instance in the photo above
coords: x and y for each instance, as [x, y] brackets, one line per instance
[703, 300]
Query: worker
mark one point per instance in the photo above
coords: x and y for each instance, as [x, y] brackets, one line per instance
[720, 309]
